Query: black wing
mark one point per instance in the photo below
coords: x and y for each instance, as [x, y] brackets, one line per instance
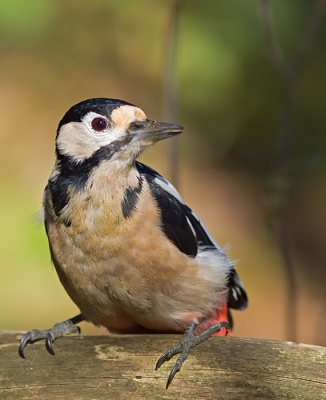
[185, 230]
[174, 212]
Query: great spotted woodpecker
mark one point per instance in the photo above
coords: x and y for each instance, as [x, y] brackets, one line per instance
[129, 252]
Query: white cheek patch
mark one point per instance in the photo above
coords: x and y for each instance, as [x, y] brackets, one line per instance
[124, 115]
[79, 140]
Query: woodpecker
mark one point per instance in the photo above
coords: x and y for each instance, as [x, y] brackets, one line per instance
[129, 252]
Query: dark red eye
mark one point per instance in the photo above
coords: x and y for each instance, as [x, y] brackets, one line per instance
[99, 124]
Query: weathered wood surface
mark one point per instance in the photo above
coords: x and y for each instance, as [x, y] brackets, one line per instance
[122, 367]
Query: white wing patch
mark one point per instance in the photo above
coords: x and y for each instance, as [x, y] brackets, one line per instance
[168, 187]
[191, 227]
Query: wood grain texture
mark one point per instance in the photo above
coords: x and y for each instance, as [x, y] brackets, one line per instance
[122, 367]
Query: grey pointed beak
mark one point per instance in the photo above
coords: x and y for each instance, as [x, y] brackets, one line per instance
[153, 131]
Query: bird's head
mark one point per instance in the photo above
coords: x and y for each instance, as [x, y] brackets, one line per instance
[108, 129]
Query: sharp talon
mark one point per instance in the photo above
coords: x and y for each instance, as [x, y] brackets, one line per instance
[192, 337]
[166, 357]
[162, 360]
[48, 343]
[23, 343]
[174, 371]
[21, 352]
[50, 335]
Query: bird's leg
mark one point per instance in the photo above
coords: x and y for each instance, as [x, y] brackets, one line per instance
[58, 330]
[189, 340]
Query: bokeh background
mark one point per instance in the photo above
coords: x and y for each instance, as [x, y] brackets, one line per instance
[56, 53]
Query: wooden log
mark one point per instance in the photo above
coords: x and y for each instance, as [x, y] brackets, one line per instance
[122, 367]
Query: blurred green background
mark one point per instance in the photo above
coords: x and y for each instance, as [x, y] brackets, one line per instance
[56, 53]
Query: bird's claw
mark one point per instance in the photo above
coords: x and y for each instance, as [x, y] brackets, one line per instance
[23, 343]
[190, 339]
[174, 371]
[58, 330]
[48, 343]
[166, 356]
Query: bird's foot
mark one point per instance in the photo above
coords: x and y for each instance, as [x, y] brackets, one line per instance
[190, 339]
[58, 330]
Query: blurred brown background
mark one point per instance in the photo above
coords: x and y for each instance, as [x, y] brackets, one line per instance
[56, 53]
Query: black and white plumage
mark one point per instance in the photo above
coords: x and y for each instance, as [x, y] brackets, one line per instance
[129, 252]
[186, 231]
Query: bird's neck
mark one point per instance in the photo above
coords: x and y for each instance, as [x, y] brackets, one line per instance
[109, 180]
